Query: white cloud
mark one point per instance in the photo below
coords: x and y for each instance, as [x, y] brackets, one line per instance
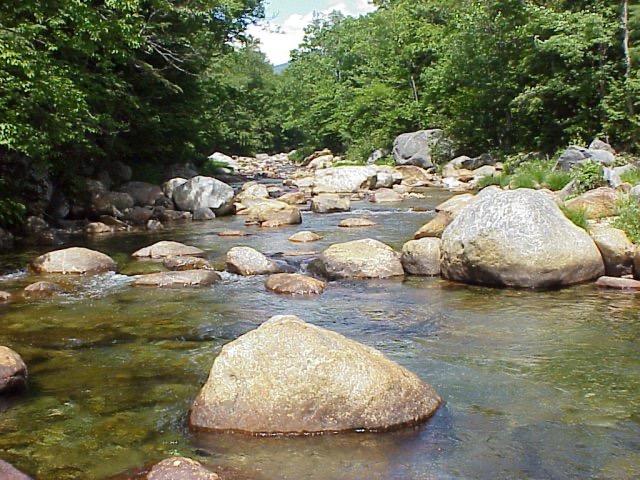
[276, 41]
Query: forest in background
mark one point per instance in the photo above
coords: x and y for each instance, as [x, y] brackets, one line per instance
[157, 82]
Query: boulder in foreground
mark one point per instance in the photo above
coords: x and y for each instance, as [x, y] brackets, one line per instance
[366, 258]
[180, 468]
[518, 238]
[288, 376]
[74, 260]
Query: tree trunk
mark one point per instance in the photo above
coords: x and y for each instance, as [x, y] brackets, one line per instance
[627, 54]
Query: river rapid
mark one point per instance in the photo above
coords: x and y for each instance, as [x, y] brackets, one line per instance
[542, 385]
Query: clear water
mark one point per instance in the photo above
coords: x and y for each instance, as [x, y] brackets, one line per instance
[542, 385]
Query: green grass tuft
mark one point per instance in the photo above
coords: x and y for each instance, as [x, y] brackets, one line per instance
[631, 176]
[577, 216]
[628, 210]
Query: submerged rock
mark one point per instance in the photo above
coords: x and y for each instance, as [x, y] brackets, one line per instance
[43, 288]
[288, 376]
[167, 249]
[189, 278]
[294, 284]
[13, 372]
[518, 238]
[180, 264]
[246, 261]
[356, 222]
[180, 468]
[304, 237]
[74, 260]
[366, 258]
[618, 283]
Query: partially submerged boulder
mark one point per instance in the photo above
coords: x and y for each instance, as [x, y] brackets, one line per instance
[180, 264]
[356, 222]
[294, 284]
[74, 260]
[188, 278]
[272, 213]
[247, 261]
[43, 288]
[422, 257]
[180, 468]
[616, 249]
[288, 376]
[366, 258]
[13, 372]
[304, 237]
[330, 203]
[518, 238]
[618, 283]
[167, 248]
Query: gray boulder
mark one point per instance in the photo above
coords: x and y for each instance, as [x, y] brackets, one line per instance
[178, 279]
[288, 376]
[204, 192]
[576, 155]
[422, 257]
[167, 248]
[419, 148]
[13, 372]
[344, 179]
[616, 249]
[74, 260]
[330, 203]
[246, 261]
[517, 238]
[366, 258]
[143, 194]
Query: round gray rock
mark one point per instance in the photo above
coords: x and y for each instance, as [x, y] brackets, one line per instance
[422, 257]
[13, 371]
[366, 258]
[204, 192]
[288, 376]
[246, 261]
[166, 249]
[517, 238]
[74, 260]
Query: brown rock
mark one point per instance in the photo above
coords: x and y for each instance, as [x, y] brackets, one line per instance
[9, 472]
[233, 233]
[180, 468]
[5, 297]
[43, 288]
[73, 260]
[13, 371]
[597, 203]
[180, 264]
[618, 283]
[422, 257]
[366, 258]
[413, 176]
[294, 284]
[455, 204]
[385, 195]
[330, 203]
[293, 198]
[435, 228]
[167, 249]
[356, 222]
[288, 376]
[304, 237]
[246, 261]
[95, 228]
[189, 278]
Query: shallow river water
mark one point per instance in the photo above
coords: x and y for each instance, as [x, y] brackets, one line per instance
[542, 385]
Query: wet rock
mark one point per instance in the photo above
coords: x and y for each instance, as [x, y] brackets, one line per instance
[304, 237]
[74, 260]
[251, 190]
[188, 278]
[120, 200]
[233, 233]
[344, 179]
[414, 176]
[330, 203]
[154, 225]
[517, 238]
[179, 264]
[288, 376]
[38, 232]
[6, 240]
[616, 249]
[597, 203]
[119, 172]
[293, 198]
[356, 222]
[272, 213]
[422, 257]
[435, 227]
[171, 216]
[385, 195]
[418, 148]
[43, 288]
[203, 215]
[169, 187]
[618, 283]
[204, 192]
[180, 468]
[5, 297]
[246, 261]
[96, 228]
[366, 258]
[294, 284]
[166, 249]
[576, 155]
[114, 222]
[9, 472]
[138, 215]
[13, 372]
[143, 194]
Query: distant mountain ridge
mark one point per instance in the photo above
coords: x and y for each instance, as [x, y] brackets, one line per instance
[278, 69]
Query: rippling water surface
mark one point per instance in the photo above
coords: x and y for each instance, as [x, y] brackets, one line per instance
[537, 384]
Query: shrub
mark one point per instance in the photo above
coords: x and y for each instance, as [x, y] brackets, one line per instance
[631, 176]
[628, 210]
[557, 180]
[589, 176]
[501, 180]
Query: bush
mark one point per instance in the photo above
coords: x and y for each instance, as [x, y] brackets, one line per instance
[577, 216]
[501, 180]
[631, 176]
[557, 180]
[589, 176]
[628, 211]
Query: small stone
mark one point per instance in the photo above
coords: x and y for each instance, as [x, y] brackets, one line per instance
[180, 264]
[180, 468]
[233, 233]
[43, 288]
[5, 297]
[618, 283]
[246, 261]
[13, 371]
[190, 278]
[356, 222]
[294, 284]
[167, 248]
[304, 237]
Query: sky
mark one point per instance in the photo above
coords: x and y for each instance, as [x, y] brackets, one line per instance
[283, 29]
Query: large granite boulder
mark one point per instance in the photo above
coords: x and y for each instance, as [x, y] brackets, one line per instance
[330, 203]
[344, 179]
[74, 260]
[246, 261]
[616, 249]
[366, 258]
[178, 279]
[422, 257]
[288, 376]
[180, 468]
[143, 194]
[13, 371]
[518, 238]
[575, 156]
[169, 187]
[166, 249]
[204, 192]
[419, 148]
